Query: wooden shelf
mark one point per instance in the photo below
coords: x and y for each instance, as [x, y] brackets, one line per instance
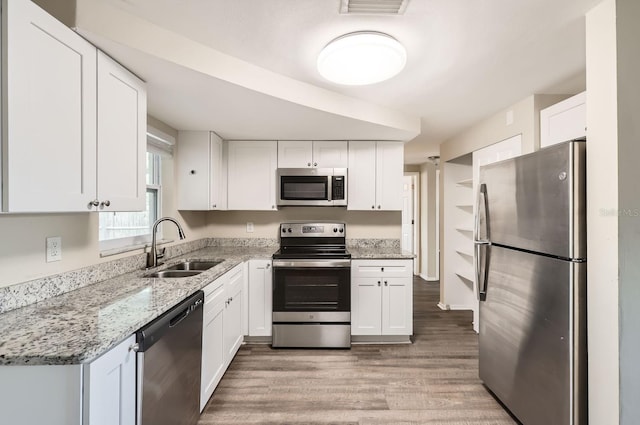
[465, 182]
[464, 229]
[465, 207]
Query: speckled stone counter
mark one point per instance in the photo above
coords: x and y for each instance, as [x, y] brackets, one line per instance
[388, 253]
[80, 325]
[362, 249]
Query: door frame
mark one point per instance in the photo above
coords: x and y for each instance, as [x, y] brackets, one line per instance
[415, 194]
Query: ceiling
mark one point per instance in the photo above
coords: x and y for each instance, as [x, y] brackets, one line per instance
[246, 68]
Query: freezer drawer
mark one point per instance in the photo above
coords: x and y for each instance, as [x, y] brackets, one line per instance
[533, 336]
[536, 202]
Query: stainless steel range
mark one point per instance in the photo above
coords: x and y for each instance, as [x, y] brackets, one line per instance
[312, 287]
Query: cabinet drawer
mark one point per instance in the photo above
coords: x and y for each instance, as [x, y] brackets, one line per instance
[213, 303]
[388, 268]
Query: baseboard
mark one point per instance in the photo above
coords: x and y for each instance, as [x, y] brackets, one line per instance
[257, 339]
[460, 307]
[428, 278]
[380, 339]
[443, 306]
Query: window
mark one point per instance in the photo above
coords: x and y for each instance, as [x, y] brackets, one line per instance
[120, 229]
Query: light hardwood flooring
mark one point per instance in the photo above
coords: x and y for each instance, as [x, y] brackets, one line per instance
[432, 381]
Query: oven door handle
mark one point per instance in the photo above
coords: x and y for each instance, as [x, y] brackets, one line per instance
[288, 264]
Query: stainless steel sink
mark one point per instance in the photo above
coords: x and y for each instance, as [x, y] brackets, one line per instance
[174, 273]
[195, 265]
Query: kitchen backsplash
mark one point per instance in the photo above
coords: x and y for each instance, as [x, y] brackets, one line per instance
[22, 294]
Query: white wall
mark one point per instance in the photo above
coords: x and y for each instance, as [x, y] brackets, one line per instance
[360, 224]
[613, 102]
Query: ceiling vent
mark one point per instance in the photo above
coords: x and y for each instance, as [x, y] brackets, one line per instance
[378, 7]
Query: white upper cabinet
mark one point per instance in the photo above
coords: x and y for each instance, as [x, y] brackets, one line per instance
[74, 138]
[49, 107]
[201, 171]
[252, 169]
[375, 175]
[564, 121]
[314, 154]
[122, 128]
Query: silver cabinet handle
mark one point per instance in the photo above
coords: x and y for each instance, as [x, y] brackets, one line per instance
[381, 269]
[378, 283]
[214, 205]
[134, 347]
[315, 164]
[273, 207]
[94, 203]
[308, 164]
[386, 283]
[373, 207]
[106, 203]
[192, 172]
[378, 206]
[268, 265]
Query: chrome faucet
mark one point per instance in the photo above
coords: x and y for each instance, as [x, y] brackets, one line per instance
[153, 255]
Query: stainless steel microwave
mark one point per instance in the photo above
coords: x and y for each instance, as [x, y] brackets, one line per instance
[317, 187]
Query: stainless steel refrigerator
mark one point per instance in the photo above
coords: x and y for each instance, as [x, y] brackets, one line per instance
[530, 252]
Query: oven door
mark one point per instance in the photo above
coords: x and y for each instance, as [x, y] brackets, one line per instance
[311, 291]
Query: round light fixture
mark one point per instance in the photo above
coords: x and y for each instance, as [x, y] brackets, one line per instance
[361, 58]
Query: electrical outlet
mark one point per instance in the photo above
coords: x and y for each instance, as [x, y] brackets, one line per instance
[249, 227]
[54, 249]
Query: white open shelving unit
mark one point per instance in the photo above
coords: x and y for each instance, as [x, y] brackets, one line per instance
[458, 276]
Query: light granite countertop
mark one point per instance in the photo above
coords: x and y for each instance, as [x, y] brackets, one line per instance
[370, 253]
[80, 325]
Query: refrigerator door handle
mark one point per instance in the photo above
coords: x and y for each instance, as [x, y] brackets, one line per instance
[481, 211]
[482, 271]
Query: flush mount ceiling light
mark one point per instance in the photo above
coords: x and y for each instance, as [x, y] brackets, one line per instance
[361, 58]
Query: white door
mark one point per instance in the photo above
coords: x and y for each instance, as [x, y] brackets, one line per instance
[366, 315]
[260, 298]
[389, 175]
[192, 170]
[361, 182]
[122, 138]
[407, 214]
[51, 113]
[252, 175]
[397, 306]
[295, 153]
[110, 387]
[505, 149]
[213, 352]
[330, 154]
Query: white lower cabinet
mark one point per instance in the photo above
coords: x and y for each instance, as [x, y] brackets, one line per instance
[110, 387]
[102, 392]
[222, 333]
[260, 297]
[381, 297]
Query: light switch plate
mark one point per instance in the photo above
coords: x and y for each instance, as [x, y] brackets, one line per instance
[54, 249]
[249, 227]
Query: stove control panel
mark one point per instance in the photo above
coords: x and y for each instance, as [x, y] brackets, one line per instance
[312, 229]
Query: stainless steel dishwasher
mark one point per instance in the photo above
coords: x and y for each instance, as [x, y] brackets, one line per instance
[168, 366]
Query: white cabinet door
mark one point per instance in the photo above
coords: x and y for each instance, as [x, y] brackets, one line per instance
[295, 153]
[122, 129]
[252, 175]
[397, 307]
[110, 387]
[233, 315]
[260, 298]
[192, 170]
[49, 113]
[330, 154]
[564, 121]
[361, 185]
[389, 173]
[217, 174]
[213, 351]
[201, 171]
[366, 304]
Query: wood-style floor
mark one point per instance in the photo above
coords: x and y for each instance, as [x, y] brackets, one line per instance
[432, 381]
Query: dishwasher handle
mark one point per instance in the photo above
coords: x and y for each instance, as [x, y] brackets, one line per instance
[153, 332]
